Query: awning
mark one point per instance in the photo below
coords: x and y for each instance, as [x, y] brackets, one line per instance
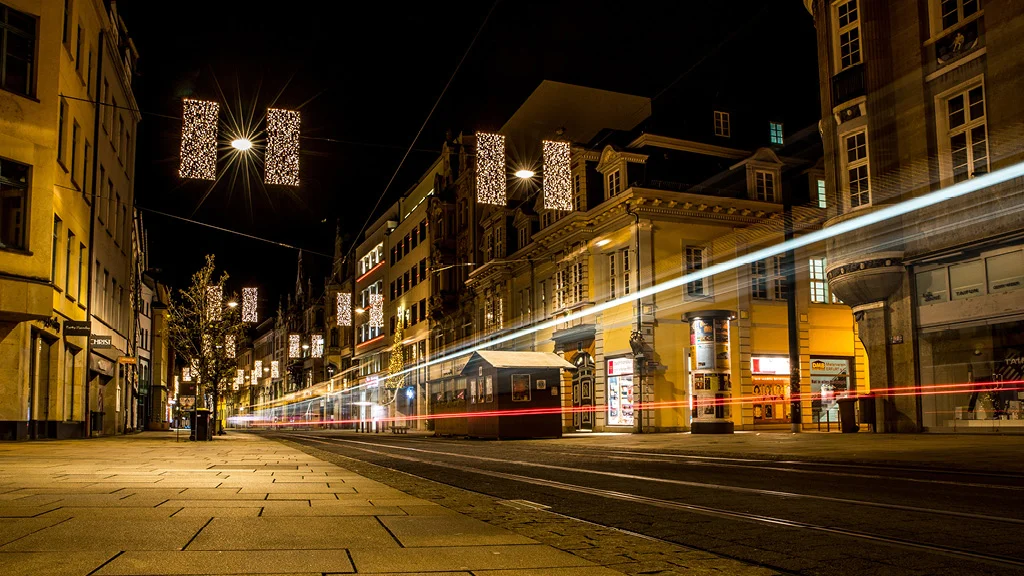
[502, 359]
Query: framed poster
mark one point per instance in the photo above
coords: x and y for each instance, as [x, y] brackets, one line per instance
[520, 387]
[542, 384]
[489, 388]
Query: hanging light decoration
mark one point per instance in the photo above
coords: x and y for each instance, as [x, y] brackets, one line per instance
[239, 378]
[294, 346]
[195, 370]
[490, 169]
[207, 347]
[249, 298]
[316, 345]
[186, 374]
[376, 310]
[275, 369]
[557, 181]
[229, 345]
[282, 160]
[257, 371]
[199, 139]
[214, 302]
[344, 309]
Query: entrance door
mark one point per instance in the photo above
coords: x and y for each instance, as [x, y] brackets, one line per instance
[583, 392]
[39, 387]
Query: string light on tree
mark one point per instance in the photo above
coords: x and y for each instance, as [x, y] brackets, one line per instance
[344, 309]
[199, 139]
[316, 345]
[397, 362]
[557, 181]
[229, 345]
[294, 346]
[257, 371]
[275, 369]
[376, 310]
[282, 160]
[214, 302]
[239, 378]
[490, 169]
[250, 297]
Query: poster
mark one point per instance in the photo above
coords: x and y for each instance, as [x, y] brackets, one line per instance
[830, 377]
[520, 387]
[489, 389]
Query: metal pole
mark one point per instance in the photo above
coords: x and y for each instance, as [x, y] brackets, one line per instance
[789, 266]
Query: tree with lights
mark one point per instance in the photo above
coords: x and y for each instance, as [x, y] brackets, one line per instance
[397, 362]
[201, 327]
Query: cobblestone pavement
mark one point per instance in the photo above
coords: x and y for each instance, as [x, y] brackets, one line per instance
[247, 505]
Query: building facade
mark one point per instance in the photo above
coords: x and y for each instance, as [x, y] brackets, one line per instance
[66, 180]
[916, 96]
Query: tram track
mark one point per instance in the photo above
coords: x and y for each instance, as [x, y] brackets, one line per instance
[430, 458]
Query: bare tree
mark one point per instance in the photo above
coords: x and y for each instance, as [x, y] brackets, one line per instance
[204, 330]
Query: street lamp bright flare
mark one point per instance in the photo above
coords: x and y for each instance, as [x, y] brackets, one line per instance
[525, 174]
[241, 144]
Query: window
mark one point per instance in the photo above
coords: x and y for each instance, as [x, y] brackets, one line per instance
[74, 153]
[759, 280]
[105, 99]
[820, 293]
[822, 197]
[104, 303]
[847, 28]
[618, 273]
[577, 190]
[83, 272]
[775, 132]
[55, 245]
[17, 51]
[78, 51]
[108, 203]
[544, 297]
[524, 236]
[967, 134]
[116, 228]
[13, 205]
[110, 110]
[88, 73]
[66, 33]
[953, 11]
[614, 183]
[61, 129]
[722, 127]
[67, 265]
[85, 170]
[627, 256]
[125, 240]
[611, 275]
[119, 142]
[764, 186]
[778, 279]
[695, 261]
[858, 181]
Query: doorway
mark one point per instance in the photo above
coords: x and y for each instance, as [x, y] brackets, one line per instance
[583, 392]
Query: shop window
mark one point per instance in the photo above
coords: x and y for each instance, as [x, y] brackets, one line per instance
[1005, 271]
[932, 286]
[770, 378]
[830, 378]
[967, 280]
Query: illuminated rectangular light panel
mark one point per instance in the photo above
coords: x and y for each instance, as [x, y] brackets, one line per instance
[294, 346]
[257, 371]
[239, 378]
[250, 297]
[344, 309]
[229, 345]
[214, 302]
[316, 345]
[186, 374]
[490, 169]
[199, 139]
[376, 310]
[557, 181]
[275, 369]
[282, 159]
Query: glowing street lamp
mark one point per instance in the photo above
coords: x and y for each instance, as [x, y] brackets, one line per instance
[525, 174]
[241, 144]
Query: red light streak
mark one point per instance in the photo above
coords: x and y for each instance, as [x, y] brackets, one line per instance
[370, 271]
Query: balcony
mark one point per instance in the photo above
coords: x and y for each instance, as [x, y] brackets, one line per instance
[848, 84]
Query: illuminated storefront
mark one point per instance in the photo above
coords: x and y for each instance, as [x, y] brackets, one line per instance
[620, 392]
[771, 389]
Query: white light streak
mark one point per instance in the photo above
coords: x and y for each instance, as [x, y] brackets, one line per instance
[557, 181]
[199, 139]
[316, 348]
[275, 369]
[250, 297]
[377, 310]
[294, 346]
[282, 160]
[344, 309]
[214, 302]
[490, 169]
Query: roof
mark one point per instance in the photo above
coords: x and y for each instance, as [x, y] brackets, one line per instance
[499, 359]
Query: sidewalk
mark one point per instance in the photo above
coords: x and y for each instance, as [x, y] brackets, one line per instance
[239, 505]
[974, 452]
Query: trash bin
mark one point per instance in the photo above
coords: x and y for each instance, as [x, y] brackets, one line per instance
[848, 414]
[867, 409]
[97, 421]
[201, 424]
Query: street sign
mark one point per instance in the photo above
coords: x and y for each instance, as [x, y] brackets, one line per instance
[126, 360]
[187, 388]
[101, 341]
[77, 327]
[186, 402]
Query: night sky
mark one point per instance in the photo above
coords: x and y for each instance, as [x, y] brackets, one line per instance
[367, 74]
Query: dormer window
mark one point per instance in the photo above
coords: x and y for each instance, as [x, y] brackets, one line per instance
[614, 179]
[764, 186]
[775, 132]
[722, 127]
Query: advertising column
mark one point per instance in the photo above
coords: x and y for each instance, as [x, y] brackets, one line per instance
[710, 372]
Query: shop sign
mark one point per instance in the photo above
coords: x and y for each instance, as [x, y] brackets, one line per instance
[620, 366]
[77, 327]
[101, 341]
[769, 365]
[126, 360]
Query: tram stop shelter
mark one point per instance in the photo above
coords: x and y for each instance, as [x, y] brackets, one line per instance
[514, 394]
